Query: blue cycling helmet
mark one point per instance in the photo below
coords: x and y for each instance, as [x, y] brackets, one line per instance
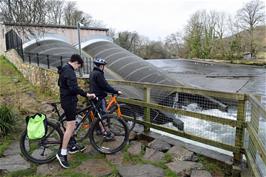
[99, 61]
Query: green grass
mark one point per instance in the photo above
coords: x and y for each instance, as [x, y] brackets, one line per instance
[81, 157]
[168, 157]
[114, 169]
[7, 120]
[214, 166]
[4, 143]
[15, 89]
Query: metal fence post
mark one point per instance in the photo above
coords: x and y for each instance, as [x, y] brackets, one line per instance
[48, 62]
[147, 111]
[61, 60]
[23, 58]
[239, 137]
[87, 66]
[38, 62]
[91, 60]
[29, 59]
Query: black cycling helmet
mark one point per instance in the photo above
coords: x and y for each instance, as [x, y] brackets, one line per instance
[99, 61]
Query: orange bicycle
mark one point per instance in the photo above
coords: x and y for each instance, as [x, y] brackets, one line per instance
[122, 110]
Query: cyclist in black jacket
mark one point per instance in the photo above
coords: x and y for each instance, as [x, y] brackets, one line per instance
[100, 86]
[69, 90]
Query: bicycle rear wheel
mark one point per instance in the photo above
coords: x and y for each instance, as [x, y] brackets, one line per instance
[112, 124]
[42, 150]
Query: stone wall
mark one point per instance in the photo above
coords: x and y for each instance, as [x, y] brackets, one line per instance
[45, 79]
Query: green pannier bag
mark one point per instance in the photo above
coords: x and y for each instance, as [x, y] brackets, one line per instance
[36, 126]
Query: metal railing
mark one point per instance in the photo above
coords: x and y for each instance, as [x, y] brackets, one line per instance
[53, 61]
[13, 41]
[230, 130]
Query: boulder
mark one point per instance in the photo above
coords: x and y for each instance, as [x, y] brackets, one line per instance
[140, 170]
[200, 173]
[153, 155]
[180, 153]
[135, 148]
[183, 166]
[159, 145]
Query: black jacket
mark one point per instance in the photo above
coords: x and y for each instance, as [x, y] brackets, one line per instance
[98, 85]
[68, 84]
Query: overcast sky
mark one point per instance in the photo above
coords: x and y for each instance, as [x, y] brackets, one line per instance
[154, 19]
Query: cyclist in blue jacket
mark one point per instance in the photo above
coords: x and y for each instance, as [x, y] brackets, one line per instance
[100, 86]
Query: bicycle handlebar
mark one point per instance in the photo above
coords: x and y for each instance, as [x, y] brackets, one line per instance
[116, 94]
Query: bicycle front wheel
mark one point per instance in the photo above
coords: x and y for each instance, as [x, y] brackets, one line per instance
[82, 131]
[119, 133]
[42, 150]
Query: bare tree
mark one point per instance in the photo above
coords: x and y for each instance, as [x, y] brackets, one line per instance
[24, 12]
[173, 43]
[69, 12]
[55, 11]
[72, 15]
[193, 35]
[88, 21]
[128, 40]
[111, 33]
[155, 49]
[204, 35]
[220, 27]
[217, 41]
[234, 40]
[250, 16]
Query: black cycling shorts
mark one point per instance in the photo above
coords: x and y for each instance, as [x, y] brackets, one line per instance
[70, 109]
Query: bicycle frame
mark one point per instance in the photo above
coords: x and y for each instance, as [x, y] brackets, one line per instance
[113, 101]
[89, 114]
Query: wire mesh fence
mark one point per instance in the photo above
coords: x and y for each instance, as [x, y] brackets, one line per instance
[225, 120]
[255, 137]
[201, 115]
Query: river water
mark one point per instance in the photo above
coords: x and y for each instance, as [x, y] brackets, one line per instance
[221, 77]
[216, 76]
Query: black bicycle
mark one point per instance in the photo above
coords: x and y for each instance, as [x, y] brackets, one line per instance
[44, 150]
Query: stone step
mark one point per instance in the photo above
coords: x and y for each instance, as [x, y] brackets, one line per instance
[13, 163]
